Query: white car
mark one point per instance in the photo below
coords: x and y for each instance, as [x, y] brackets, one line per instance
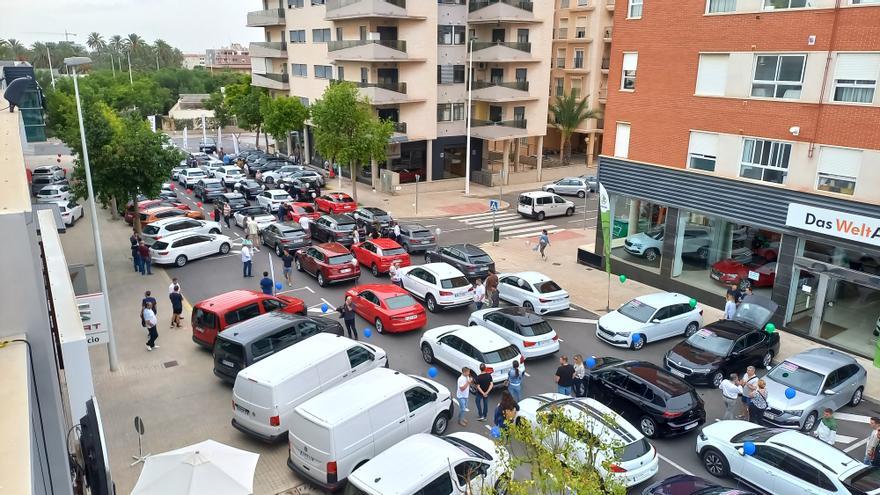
[178, 249]
[696, 242]
[260, 214]
[54, 171]
[783, 462]
[212, 166]
[188, 177]
[533, 291]
[637, 460]
[273, 176]
[54, 194]
[228, 174]
[457, 346]
[458, 463]
[309, 175]
[440, 285]
[529, 332]
[273, 198]
[575, 186]
[652, 317]
[70, 211]
[165, 227]
[175, 172]
[540, 204]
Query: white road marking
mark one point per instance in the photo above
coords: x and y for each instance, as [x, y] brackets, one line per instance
[858, 418]
[460, 217]
[844, 439]
[536, 227]
[676, 466]
[506, 221]
[581, 220]
[294, 290]
[856, 445]
[534, 234]
[572, 320]
[231, 253]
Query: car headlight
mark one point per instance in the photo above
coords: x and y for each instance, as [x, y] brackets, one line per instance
[624, 334]
[794, 412]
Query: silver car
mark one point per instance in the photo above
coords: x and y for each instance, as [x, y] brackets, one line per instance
[819, 378]
[572, 186]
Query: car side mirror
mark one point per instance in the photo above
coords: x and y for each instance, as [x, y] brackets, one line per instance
[655, 320]
[741, 451]
[828, 391]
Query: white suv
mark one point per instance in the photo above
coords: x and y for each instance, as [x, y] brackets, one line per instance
[228, 175]
[457, 346]
[784, 462]
[649, 244]
[440, 285]
[540, 204]
[652, 317]
[188, 177]
[175, 225]
[273, 198]
[459, 463]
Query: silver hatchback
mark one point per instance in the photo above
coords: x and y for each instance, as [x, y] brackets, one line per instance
[820, 378]
[572, 186]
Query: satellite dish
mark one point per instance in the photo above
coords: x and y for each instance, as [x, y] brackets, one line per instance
[15, 91]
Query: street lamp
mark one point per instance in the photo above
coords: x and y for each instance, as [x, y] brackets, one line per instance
[72, 63]
[467, 159]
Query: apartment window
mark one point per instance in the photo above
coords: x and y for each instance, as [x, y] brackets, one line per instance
[785, 4]
[522, 35]
[766, 160]
[295, 4]
[320, 35]
[580, 30]
[317, 2]
[448, 112]
[576, 87]
[563, 4]
[578, 61]
[560, 58]
[855, 77]
[519, 114]
[299, 70]
[630, 62]
[450, 74]
[450, 35]
[621, 140]
[297, 35]
[778, 76]
[560, 86]
[712, 74]
[340, 73]
[838, 170]
[702, 150]
[634, 10]
[716, 6]
[365, 74]
[864, 2]
[324, 72]
[583, 3]
[304, 101]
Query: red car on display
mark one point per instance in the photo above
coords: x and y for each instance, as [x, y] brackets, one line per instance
[215, 314]
[335, 203]
[388, 307]
[299, 210]
[756, 273]
[151, 203]
[379, 254]
[329, 262]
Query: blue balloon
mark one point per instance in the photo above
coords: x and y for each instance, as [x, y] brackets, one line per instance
[636, 338]
[591, 363]
[790, 393]
[279, 285]
[749, 448]
[324, 307]
[368, 333]
[496, 432]
[432, 372]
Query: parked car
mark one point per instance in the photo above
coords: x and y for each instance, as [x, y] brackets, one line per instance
[822, 378]
[329, 262]
[652, 317]
[265, 164]
[179, 249]
[152, 214]
[299, 210]
[531, 335]
[261, 216]
[335, 203]
[148, 204]
[648, 244]
[572, 186]
[273, 198]
[70, 212]
[228, 175]
[457, 346]
[659, 403]
[41, 181]
[333, 228]
[52, 171]
[440, 285]
[273, 176]
[686, 484]
[236, 201]
[161, 229]
[416, 237]
[189, 177]
[208, 145]
[54, 193]
[388, 307]
[726, 346]
[299, 189]
[250, 188]
[592, 181]
[287, 235]
[533, 291]
[756, 272]
[208, 189]
[380, 254]
[309, 175]
[635, 460]
[211, 167]
[467, 258]
[784, 462]
[540, 204]
[215, 314]
[175, 171]
[369, 215]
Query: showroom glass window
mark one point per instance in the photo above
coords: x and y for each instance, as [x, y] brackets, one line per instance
[637, 231]
[765, 160]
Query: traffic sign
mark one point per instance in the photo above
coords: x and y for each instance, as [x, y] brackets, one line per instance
[493, 204]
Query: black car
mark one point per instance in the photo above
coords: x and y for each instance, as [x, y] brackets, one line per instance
[727, 346]
[301, 190]
[333, 228]
[208, 189]
[266, 163]
[208, 145]
[469, 259]
[248, 187]
[370, 215]
[236, 201]
[284, 235]
[685, 484]
[655, 401]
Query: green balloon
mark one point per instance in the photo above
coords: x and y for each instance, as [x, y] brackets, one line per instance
[770, 328]
[693, 303]
[622, 278]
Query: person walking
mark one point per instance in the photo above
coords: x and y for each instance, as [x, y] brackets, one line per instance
[827, 429]
[730, 392]
[505, 413]
[396, 231]
[149, 319]
[266, 284]
[282, 212]
[564, 376]
[730, 307]
[148, 298]
[872, 441]
[492, 288]
[483, 384]
[758, 403]
[749, 383]
[227, 214]
[176, 306]
[253, 232]
[543, 242]
[135, 254]
[146, 261]
[174, 283]
[580, 372]
[246, 259]
[393, 272]
[462, 393]
[479, 294]
[216, 215]
[287, 260]
[346, 312]
[514, 380]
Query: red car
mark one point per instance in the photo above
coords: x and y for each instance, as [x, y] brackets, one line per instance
[335, 203]
[730, 271]
[213, 315]
[379, 254]
[299, 210]
[329, 262]
[388, 307]
[151, 203]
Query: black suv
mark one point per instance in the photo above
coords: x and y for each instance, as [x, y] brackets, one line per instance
[301, 190]
[333, 228]
[236, 201]
[469, 259]
[648, 396]
[266, 164]
[248, 187]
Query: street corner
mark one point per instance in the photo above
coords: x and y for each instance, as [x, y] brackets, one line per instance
[471, 207]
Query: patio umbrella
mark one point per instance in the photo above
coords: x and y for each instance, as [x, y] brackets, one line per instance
[209, 468]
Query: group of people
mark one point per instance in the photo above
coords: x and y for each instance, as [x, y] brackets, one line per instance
[140, 254]
[734, 297]
[149, 312]
[486, 294]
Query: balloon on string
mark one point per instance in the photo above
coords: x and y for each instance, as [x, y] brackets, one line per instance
[636, 338]
[693, 303]
[622, 278]
[189, 191]
[591, 363]
[199, 204]
[790, 393]
[368, 333]
[324, 307]
[749, 448]
[278, 285]
[172, 186]
[496, 432]
[432, 372]
[770, 328]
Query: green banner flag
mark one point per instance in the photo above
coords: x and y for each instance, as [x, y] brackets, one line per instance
[605, 217]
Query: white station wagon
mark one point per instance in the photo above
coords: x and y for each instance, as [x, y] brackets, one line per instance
[178, 249]
[652, 317]
[440, 285]
[533, 291]
[457, 346]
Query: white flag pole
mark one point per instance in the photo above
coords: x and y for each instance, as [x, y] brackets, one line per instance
[204, 130]
[272, 271]
[219, 140]
[235, 144]
[185, 139]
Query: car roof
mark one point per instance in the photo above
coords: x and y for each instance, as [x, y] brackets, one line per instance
[233, 195]
[382, 290]
[159, 209]
[230, 299]
[661, 299]
[413, 226]
[54, 186]
[385, 243]
[834, 459]
[468, 249]
[194, 169]
[285, 226]
[518, 314]
[614, 427]
[331, 248]
[251, 208]
[277, 191]
[374, 210]
[537, 193]
[178, 235]
[649, 372]
[339, 218]
[441, 269]
[165, 221]
[337, 195]
[530, 277]
[246, 330]
[822, 360]
[210, 180]
[482, 338]
[308, 352]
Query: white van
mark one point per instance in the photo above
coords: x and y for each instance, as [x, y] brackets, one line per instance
[266, 392]
[337, 431]
[540, 204]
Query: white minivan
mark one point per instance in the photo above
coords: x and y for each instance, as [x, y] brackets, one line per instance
[540, 204]
[335, 432]
[266, 392]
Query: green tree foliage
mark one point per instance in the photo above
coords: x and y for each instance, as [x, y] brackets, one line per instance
[569, 112]
[243, 100]
[217, 103]
[283, 115]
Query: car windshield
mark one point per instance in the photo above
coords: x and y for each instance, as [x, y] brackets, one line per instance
[752, 314]
[251, 183]
[756, 434]
[455, 282]
[254, 210]
[503, 355]
[344, 199]
[232, 171]
[709, 341]
[655, 234]
[539, 328]
[237, 201]
[159, 245]
[42, 180]
[195, 173]
[525, 200]
[637, 310]
[340, 260]
[393, 251]
[547, 287]
[399, 302]
[345, 227]
[482, 259]
[866, 480]
[303, 209]
[681, 402]
[797, 377]
[280, 196]
[420, 233]
[151, 230]
[214, 186]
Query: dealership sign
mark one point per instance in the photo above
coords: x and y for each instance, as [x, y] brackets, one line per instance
[94, 318]
[857, 228]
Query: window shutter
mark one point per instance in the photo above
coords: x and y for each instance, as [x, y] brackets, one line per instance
[621, 140]
[630, 61]
[840, 161]
[861, 66]
[712, 74]
[703, 143]
[446, 74]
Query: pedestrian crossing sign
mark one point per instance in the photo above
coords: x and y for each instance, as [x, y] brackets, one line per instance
[493, 204]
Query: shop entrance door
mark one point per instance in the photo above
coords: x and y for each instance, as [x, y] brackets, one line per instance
[805, 290]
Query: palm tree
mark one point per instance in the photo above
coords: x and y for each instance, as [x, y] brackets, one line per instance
[134, 43]
[569, 112]
[17, 48]
[115, 45]
[95, 41]
[163, 52]
[40, 54]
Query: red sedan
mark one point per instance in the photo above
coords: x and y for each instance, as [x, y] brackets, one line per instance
[335, 203]
[379, 254]
[730, 271]
[299, 210]
[151, 203]
[388, 307]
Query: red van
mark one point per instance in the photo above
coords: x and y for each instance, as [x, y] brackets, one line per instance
[215, 314]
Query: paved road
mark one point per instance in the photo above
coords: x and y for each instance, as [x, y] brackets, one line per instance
[211, 276]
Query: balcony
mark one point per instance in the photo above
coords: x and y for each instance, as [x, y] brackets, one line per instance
[603, 95]
[494, 130]
[502, 51]
[577, 65]
[383, 93]
[582, 5]
[495, 11]
[497, 91]
[266, 49]
[369, 51]
[399, 127]
[609, 4]
[606, 35]
[606, 63]
[263, 18]
[338, 10]
[271, 81]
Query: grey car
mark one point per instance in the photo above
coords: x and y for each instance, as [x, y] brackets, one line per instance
[368, 215]
[40, 181]
[572, 186]
[593, 181]
[820, 378]
[284, 235]
[470, 260]
[416, 237]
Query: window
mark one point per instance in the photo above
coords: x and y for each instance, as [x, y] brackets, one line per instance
[303, 99]
[317, 2]
[855, 77]
[284, 338]
[448, 112]
[468, 472]
[580, 30]
[712, 74]
[778, 76]
[261, 348]
[560, 86]
[560, 58]
[630, 61]
[702, 150]
[297, 35]
[418, 397]
[450, 74]
[810, 474]
[785, 4]
[242, 314]
[324, 71]
[299, 70]
[838, 170]
[450, 35]
[578, 59]
[357, 356]
[766, 160]
[440, 486]
[339, 34]
[320, 35]
[519, 114]
[716, 6]
[621, 140]
[295, 4]
[205, 319]
[635, 9]
[272, 305]
[576, 87]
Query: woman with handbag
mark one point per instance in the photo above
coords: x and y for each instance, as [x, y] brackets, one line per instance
[580, 372]
[758, 403]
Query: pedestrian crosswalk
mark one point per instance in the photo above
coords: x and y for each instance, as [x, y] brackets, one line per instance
[511, 223]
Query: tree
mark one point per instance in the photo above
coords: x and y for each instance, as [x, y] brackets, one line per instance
[40, 55]
[569, 112]
[95, 41]
[217, 103]
[16, 49]
[282, 115]
[243, 100]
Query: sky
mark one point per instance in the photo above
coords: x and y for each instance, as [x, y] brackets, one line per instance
[191, 25]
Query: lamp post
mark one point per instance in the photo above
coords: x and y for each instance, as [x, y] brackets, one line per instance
[467, 158]
[130, 77]
[72, 63]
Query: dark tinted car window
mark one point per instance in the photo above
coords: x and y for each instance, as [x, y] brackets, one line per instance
[681, 402]
[502, 355]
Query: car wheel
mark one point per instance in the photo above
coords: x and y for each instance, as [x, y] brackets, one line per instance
[529, 306]
[569, 212]
[715, 463]
[703, 253]
[180, 261]
[224, 248]
[767, 359]
[540, 216]
[551, 191]
[501, 486]
[472, 323]
[375, 270]
[648, 426]
[441, 422]
[856, 397]
[717, 378]
[431, 303]
[810, 422]
[321, 281]
[427, 353]
[581, 194]
[278, 250]
[299, 266]
[652, 254]
[691, 329]
[214, 231]
[638, 344]
[427, 258]
[378, 324]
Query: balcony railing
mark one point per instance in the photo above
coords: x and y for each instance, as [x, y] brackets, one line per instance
[577, 63]
[269, 49]
[475, 5]
[606, 63]
[516, 45]
[399, 87]
[560, 62]
[607, 34]
[270, 17]
[562, 34]
[517, 85]
[338, 4]
[398, 45]
[518, 123]
[399, 127]
[282, 78]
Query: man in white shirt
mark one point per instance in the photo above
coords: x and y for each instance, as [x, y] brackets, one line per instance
[253, 232]
[394, 273]
[730, 391]
[304, 223]
[749, 384]
[150, 321]
[462, 392]
[246, 260]
[396, 232]
[173, 283]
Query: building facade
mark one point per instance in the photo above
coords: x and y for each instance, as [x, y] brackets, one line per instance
[410, 58]
[193, 60]
[742, 147]
[235, 58]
